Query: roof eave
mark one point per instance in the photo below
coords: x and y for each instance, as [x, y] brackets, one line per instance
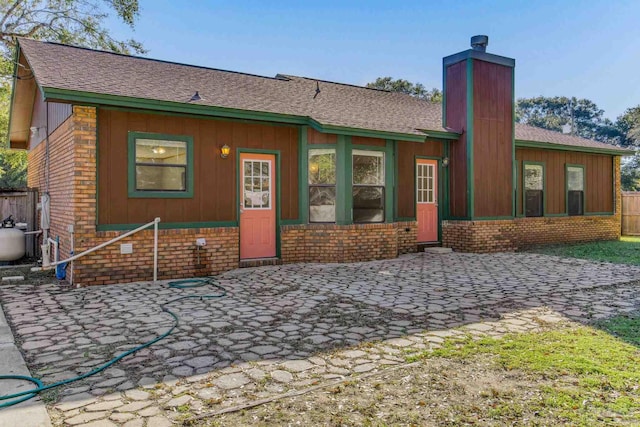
[564, 147]
[95, 99]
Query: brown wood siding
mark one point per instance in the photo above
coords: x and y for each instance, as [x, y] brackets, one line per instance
[492, 139]
[373, 142]
[58, 113]
[406, 186]
[315, 137]
[52, 119]
[214, 197]
[456, 118]
[598, 171]
[38, 119]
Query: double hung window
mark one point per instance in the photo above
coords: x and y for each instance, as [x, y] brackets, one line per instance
[575, 190]
[368, 186]
[160, 165]
[533, 176]
[322, 185]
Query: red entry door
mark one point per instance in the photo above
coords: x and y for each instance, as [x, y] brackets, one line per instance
[427, 200]
[257, 206]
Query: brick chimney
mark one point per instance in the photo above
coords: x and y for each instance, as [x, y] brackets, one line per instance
[479, 101]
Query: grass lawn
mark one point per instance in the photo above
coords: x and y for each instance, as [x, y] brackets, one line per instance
[624, 251]
[570, 375]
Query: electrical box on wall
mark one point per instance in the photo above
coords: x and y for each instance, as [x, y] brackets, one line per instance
[201, 241]
[126, 248]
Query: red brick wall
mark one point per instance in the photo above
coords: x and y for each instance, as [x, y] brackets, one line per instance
[407, 233]
[178, 256]
[338, 243]
[61, 180]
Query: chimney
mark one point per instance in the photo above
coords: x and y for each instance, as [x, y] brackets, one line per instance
[479, 43]
[478, 101]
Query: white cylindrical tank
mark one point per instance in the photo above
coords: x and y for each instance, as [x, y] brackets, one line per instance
[12, 244]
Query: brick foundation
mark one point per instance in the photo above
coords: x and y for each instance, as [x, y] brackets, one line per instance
[341, 243]
[520, 233]
[178, 255]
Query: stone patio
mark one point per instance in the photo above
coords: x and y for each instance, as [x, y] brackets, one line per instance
[284, 328]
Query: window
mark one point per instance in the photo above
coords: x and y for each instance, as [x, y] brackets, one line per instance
[425, 190]
[368, 186]
[322, 185]
[533, 189]
[257, 180]
[575, 190]
[160, 165]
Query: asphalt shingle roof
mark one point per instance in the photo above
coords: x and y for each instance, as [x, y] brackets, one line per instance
[85, 70]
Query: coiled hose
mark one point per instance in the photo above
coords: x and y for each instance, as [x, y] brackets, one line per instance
[14, 399]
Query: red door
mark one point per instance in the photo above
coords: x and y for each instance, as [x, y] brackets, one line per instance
[257, 206]
[427, 200]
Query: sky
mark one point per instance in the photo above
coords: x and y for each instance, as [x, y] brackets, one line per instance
[587, 49]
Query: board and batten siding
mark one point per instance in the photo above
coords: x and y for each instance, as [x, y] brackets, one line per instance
[47, 121]
[215, 179]
[492, 140]
[456, 118]
[599, 197]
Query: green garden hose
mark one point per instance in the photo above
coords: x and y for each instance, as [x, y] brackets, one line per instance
[16, 398]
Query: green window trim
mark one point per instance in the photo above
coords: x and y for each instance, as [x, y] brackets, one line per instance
[164, 194]
[365, 150]
[566, 188]
[544, 187]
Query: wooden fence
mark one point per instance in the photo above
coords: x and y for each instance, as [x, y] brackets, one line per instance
[631, 213]
[22, 205]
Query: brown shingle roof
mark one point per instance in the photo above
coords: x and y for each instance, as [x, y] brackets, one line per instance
[78, 69]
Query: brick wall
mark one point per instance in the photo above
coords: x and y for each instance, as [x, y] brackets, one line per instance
[178, 256]
[338, 243]
[61, 180]
[519, 233]
[407, 233]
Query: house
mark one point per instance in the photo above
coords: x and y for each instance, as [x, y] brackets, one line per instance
[292, 169]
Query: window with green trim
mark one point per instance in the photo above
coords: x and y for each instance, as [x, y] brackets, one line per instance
[368, 186]
[575, 190]
[533, 177]
[322, 185]
[160, 165]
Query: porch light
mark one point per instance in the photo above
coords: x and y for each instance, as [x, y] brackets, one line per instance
[445, 162]
[225, 150]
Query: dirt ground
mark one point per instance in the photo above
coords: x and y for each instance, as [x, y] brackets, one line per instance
[434, 392]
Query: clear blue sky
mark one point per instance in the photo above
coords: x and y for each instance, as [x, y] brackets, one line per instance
[588, 49]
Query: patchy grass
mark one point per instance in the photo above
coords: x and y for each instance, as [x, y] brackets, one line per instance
[624, 326]
[574, 375]
[623, 251]
[603, 370]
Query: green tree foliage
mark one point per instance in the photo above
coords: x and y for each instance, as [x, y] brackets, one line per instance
[404, 86]
[630, 173]
[583, 117]
[629, 125]
[76, 22]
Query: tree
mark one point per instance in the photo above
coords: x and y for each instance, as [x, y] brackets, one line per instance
[77, 22]
[629, 124]
[582, 116]
[404, 86]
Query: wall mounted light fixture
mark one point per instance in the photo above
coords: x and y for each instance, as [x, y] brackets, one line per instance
[225, 150]
[445, 162]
